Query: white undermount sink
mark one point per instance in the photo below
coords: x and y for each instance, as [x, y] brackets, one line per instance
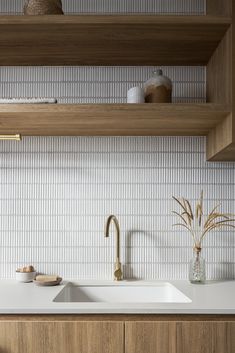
[163, 292]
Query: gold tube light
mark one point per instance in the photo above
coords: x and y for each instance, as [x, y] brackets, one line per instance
[16, 137]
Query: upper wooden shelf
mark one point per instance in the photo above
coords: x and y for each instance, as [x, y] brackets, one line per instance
[110, 40]
[111, 119]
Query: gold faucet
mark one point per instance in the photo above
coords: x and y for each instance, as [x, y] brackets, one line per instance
[118, 265]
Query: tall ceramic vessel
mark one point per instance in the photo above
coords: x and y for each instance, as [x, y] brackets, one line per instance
[43, 7]
[158, 89]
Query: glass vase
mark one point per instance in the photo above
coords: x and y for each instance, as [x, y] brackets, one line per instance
[197, 270]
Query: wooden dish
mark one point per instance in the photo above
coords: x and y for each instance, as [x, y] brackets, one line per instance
[49, 283]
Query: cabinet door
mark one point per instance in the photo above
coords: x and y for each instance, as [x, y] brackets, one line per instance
[61, 337]
[150, 337]
[206, 337]
[180, 337]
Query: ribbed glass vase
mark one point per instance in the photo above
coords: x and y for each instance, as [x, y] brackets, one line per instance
[197, 267]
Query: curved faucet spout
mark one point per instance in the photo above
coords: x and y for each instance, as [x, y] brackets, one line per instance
[118, 266]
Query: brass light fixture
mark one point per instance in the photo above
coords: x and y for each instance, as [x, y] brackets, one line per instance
[16, 137]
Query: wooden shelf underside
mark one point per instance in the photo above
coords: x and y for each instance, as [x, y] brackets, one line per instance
[111, 119]
[110, 40]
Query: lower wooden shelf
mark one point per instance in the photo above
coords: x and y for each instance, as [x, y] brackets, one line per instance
[111, 119]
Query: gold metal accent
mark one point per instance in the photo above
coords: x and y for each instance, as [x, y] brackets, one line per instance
[118, 266]
[16, 137]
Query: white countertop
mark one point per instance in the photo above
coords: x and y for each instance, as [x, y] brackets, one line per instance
[27, 298]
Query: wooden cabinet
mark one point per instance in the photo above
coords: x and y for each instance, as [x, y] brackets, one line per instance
[117, 334]
[61, 337]
[180, 337]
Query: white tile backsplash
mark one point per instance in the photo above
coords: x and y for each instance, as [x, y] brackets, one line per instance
[55, 195]
[97, 84]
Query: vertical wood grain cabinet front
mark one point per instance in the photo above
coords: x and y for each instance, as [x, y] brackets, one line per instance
[121, 335]
[61, 337]
[150, 337]
[180, 337]
[205, 337]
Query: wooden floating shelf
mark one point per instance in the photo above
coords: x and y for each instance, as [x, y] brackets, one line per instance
[111, 119]
[110, 40]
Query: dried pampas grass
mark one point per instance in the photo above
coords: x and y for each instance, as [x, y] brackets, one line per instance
[199, 224]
